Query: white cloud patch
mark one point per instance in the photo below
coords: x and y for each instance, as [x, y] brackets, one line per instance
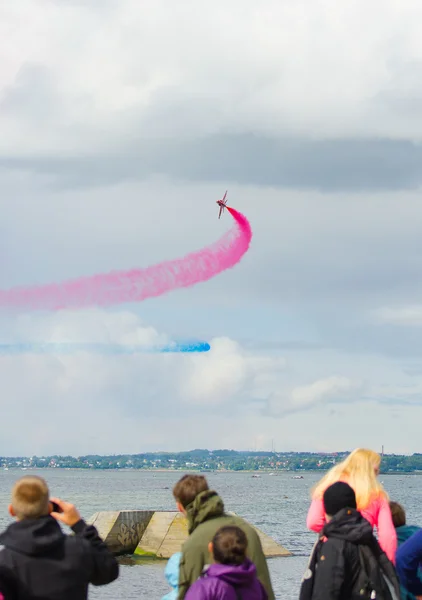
[334, 389]
[405, 315]
[57, 389]
[80, 77]
[229, 397]
[232, 374]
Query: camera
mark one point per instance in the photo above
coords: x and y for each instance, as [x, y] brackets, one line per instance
[56, 507]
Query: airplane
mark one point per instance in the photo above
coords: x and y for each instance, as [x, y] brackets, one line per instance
[222, 204]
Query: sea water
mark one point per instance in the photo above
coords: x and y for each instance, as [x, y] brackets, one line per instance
[277, 504]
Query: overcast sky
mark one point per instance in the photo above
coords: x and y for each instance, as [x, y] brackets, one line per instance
[121, 123]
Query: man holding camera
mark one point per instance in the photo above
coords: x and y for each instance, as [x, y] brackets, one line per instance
[39, 560]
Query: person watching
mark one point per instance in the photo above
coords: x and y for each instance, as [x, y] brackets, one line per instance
[204, 510]
[39, 560]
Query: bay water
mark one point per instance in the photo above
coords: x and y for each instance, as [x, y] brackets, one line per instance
[277, 504]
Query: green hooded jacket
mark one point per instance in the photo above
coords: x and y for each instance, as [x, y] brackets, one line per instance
[205, 516]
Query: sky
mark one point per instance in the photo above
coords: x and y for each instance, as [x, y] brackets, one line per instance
[121, 124]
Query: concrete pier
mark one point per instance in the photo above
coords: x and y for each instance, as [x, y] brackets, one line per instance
[121, 530]
[155, 534]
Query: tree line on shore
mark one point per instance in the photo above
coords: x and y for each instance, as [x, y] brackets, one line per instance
[211, 460]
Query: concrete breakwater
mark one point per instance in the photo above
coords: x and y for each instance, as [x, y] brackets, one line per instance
[155, 533]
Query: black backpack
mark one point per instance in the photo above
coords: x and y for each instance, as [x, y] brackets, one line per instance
[377, 577]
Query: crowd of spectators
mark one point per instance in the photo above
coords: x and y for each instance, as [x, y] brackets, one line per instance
[222, 558]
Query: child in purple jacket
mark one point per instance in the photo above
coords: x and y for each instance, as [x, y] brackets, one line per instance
[233, 575]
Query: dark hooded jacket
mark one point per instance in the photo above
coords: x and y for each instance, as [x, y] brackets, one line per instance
[40, 562]
[228, 582]
[205, 517]
[335, 568]
[409, 563]
[403, 534]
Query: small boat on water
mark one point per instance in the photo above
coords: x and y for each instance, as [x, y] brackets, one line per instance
[297, 477]
[256, 476]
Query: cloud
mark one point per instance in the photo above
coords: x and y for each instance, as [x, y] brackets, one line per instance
[111, 72]
[331, 165]
[74, 327]
[272, 100]
[409, 316]
[334, 389]
[117, 388]
[232, 375]
[233, 396]
[400, 395]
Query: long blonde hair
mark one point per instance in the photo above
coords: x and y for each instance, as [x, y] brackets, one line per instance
[358, 470]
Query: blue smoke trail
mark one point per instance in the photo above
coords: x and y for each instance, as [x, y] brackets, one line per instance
[100, 348]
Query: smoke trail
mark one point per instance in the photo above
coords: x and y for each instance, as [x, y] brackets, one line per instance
[137, 285]
[99, 348]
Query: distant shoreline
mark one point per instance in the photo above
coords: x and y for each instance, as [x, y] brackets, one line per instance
[275, 473]
[210, 461]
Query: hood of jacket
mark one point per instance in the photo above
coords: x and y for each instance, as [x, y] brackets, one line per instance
[207, 505]
[405, 532]
[349, 525]
[238, 575]
[33, 537]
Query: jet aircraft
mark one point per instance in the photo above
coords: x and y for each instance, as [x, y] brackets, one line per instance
[222, 204]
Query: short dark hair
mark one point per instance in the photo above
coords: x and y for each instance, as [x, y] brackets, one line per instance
[188, 487]
[229, 545]
[398, 514]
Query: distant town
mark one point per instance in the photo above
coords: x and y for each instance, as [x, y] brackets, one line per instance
[209, 460]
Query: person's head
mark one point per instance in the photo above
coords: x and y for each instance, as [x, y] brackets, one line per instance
[337, 496]
[360, 469]
[187, 488]
[229, 545]
[398, 514]
[30, 498]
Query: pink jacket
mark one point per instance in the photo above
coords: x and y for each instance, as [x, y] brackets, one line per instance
[377, 513]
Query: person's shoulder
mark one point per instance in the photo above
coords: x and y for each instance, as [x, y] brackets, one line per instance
[413, 542]
[239, 520]
[332, 545]
[377, 503]
[327, 542]
[404, 532]
[76, 544]
[206, 528]
[247, 527]
[195, 542]
[412, 529]
[415, 537]
[379, 500]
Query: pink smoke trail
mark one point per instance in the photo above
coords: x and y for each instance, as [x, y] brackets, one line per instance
[137, 285]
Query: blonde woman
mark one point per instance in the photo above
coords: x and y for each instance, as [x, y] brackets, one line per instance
[360, 470]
